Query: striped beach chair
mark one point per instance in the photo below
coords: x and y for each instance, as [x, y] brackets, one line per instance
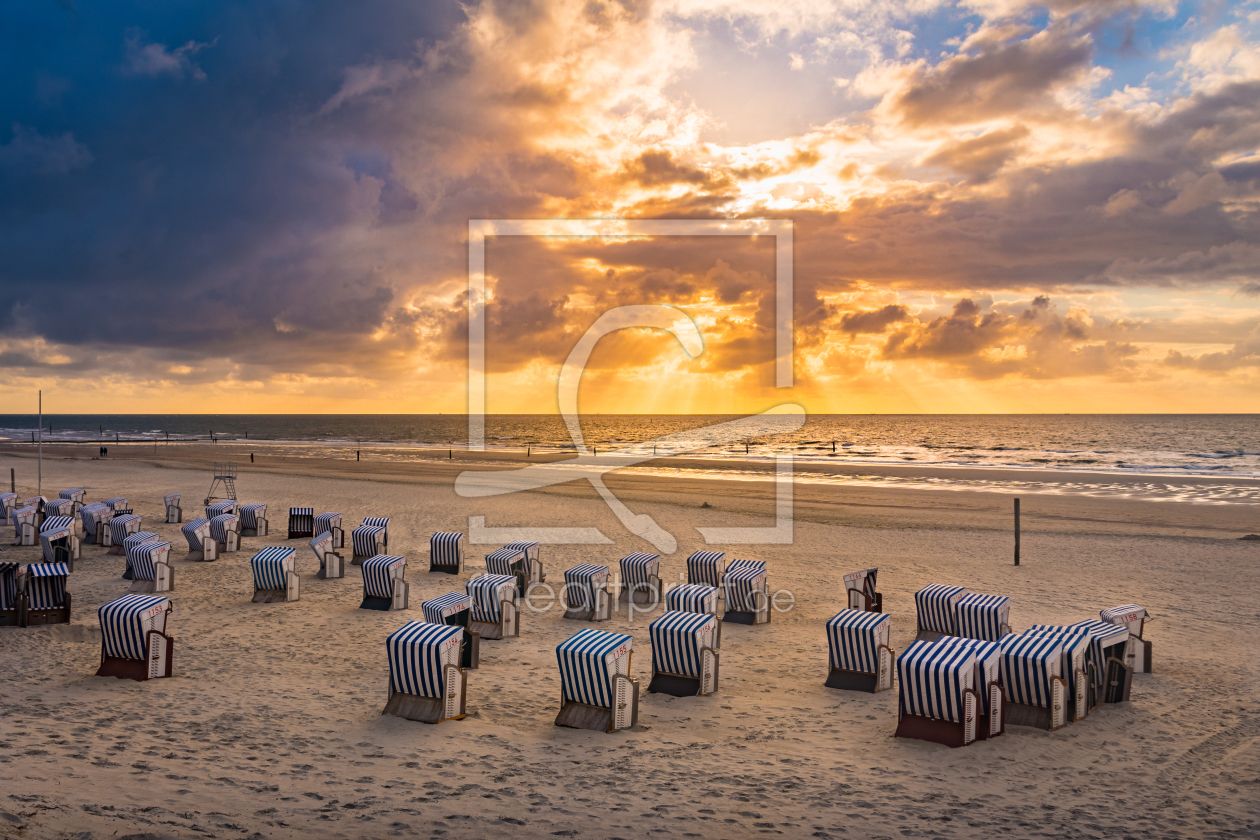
[685, 659]
[301, 522]
[384, 586]
[8, 504]
[495, 610]
[1109, 647]
[25, 527]
[60, 507]
[1077, 669]
[367, 541]
[254, 520]
[534, 572]
[936, 697]
[706, 567]
[984, 617]
[455, 609]
[74, 494]
[585, 593]
[426, 682]
[860, 590]
[640, 578]
[59, 541]
[219, 508]
[331, 564]
[934, 606]
[174, 513]
[330, 523]
[596, 690]
[747, 592]
[130, 540]
[861, 654]
[201, 546]
[95, 518]
[1133, 618]
[446, 552]
[988, 684]
[10, 596]
[275, 575]
[117, 503]
[693, 597]
[509, 561]
[121, 527]
[1032, 677]
[45, 597]
[134, 642]
[149, 563]
[378, 522]
[225, 530]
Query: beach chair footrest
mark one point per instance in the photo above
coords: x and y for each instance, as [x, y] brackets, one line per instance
[947, 732]
[853, 681]
[371, 602]
[674, 685]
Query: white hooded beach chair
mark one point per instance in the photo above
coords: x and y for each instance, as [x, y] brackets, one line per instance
[60, 507]
[860, 590]
[219, 508]
[446, 552]
[596, 691]
[685, 658]
[132, 540]
[174, 513]
[74, 494]
[984, 617]
[936, 696]
[705, 568]
[426, 682]
[991, 721]
[301, 522]
[118, 504]
[95, 518]
[330, 523]
[134, 643]
[45, 598]
[860, 650]
[495, 610]
[58, 540]
[934, 605]
[10, 597]
[36, 502]
[254, 520]
[455, 609]
[275, 577]
[534, 572]
[225, 530]
[367, 541]
[693, 597]
[511, 562]
[640, 578]
[747, 592]
[1077, 669]
[1133, 617]
[384, 586]
[331, 564]
[149, 563]
[25, 525]
[8, 504]
[121, 527]
[1109, 647]
[201, 546]
[1032, 677]
[585, 593]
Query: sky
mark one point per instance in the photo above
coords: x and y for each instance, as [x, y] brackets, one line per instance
[996, 205]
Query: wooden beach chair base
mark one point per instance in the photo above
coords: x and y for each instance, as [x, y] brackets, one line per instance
[509, 626]
[642, 593]
[174, 515]
[677, 685]
[444, 568]
[208, 554]
[10, 618]
[1118, 683]
[853, 681]
[432, 709]
[398, 602]
[40, 618]
[164, 581]
[280, 596]
[581, 716]
[332, 567]
[470, 651]
[161, 649]
[602, 611]
[231, 544]
[260, 531]
[946, 732]
[742, 617]
[299, 535]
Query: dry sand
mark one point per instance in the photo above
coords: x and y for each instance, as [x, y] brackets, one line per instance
[271, 726]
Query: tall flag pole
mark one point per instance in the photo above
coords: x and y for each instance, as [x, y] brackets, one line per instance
[40, 481]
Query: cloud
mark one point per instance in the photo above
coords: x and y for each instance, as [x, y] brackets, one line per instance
[873, 321]
[980, 158]
[1244, 354]
[35, 153]
[157, 60]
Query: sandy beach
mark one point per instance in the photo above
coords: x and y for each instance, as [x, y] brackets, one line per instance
[271, 724]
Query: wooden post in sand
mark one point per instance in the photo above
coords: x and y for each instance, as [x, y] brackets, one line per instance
[12, 480]
[1016, 531]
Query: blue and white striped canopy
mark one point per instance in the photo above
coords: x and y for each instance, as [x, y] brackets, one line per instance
[692, 597]
[142, 558]
[1028, 665]
[221, 524]
[638, 567]
[706, 567]
[580, 583]
[1076, 646]
[61, 525]
[588, 661]
[979, 616]
[935, 606]
[8, 585]
[251, 513]
[194, 531]
[988, 663]
[854, 637]
[94, 514]
[116, 503]
[1122, 615]
[440, 609]
[530, 549]
[58, 507]
[325, 522]
[74, 494]
[48, 537]
[125, 621]
[377, 522]
[301, 511]
[46, 585]
[444, 548]
[379, 573]
[500, 562]
[137, 538]
[933, 679]
[170, 499]
[121, 526]
[220, 508]
[417, 655]
[677, 638]
[270, 567]
[1102, 635]
[363, 539]
[488, 592]
[742, 580]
